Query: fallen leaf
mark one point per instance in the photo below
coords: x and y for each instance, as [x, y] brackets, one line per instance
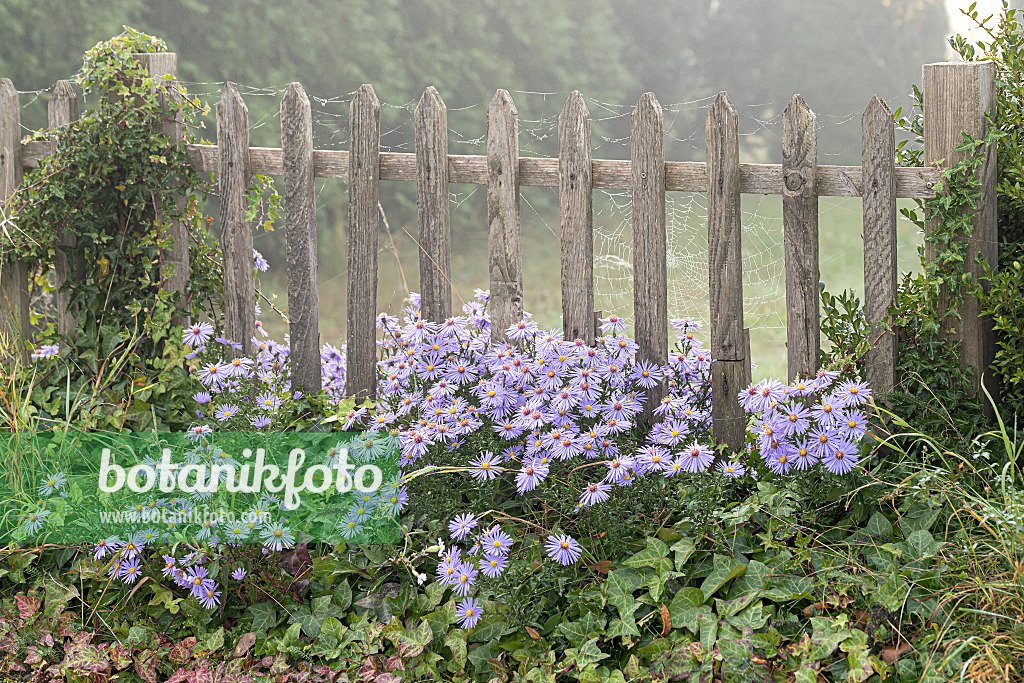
[890, 653]
[246, 641]
[533, 633]
[666, 621]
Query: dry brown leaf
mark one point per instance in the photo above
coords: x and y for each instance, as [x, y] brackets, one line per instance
[890, 653]
[666, 621]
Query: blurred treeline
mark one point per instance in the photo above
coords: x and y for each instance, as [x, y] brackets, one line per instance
[836, 53]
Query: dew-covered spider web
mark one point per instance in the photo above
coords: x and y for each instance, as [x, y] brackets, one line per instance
[841, 248]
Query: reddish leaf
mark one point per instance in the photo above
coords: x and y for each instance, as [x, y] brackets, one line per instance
[87, 658]
[32, 656]
[395, 663]
[182, 651]
[604, 566]
[83, 637]
[279, 665]
[145, 666]
[120, 656]
[27, 605]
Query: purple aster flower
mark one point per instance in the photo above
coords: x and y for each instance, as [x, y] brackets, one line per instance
[852, 393]
[496, 542]
[105, 547]
[732, 469]
[170, 566]
[197, 334]
[803, 455]
[46, 351]
[596, 492]
[618, 468]
[825, 378]
[202, 397]
[469, 612]
[226, 412]
[238, 574]
[460, 527]
[493, 565]
[531, 474]
[563, 549]
[613, 324]
[196, 432]
[854, 425]
[447, 567]
[842, 459]
[780, 460]
[697, 458]
[130, 570]
[198, 580]
[824, 442]
[213, 374]
[260, 422]
[793, 419]
[259, 262]
[826, 413]
[464, 580]
[210, 597]
[486, 467]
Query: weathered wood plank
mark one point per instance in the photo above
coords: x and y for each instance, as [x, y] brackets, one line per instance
[800, 236]
[878, 154]
[503, 232]
[576, 208]
[957, 96]
[432, 204]
[164, 67]
[363, 224]
[14, 316]
[61, 110]
[725, 267]
[236, 235]
[300, 240]
[680, 176]
[650, 265]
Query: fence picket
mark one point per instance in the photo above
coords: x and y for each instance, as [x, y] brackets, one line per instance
[435, 234]
[300, 239]
[62, 109]
[957, 97]
[363, 224]
[236, 236]
[175, 260]
[650, 267]
[878, 157]
[575, 193]
[730, 367]
[14, 317]
[503, 233]
[800, 229]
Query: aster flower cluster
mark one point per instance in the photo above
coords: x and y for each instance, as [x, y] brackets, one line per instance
[809, 421]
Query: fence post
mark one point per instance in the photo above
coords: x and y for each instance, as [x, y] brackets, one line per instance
[363, 224]
[800, 228]
[433, 210]
[300, 239]
[730, 364]
[575, 194]
[878, 192]
[62, 109]
[236, 236]
[175, 260]
[650, 251]
[14, 316]
[956, 99]
[503, 233]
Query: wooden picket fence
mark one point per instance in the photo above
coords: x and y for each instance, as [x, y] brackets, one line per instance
[957, 96]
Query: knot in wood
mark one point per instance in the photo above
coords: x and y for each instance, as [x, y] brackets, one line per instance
[794, 181]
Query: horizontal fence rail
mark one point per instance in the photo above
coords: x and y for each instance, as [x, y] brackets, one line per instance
[956, 98]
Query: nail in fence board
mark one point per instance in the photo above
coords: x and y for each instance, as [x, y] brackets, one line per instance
[62, 109]
[236, 235]
[300, 239]
[878, 158]
[730, 367]
[363, 224]
[956, 99]
[575, 194]
[503, 233]
[650, 278]
[14, 318]
[435, 235]
[800, 235]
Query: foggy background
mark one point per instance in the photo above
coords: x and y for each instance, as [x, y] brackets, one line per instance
[836, 53]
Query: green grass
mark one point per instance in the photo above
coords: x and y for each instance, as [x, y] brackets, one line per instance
[840, 249]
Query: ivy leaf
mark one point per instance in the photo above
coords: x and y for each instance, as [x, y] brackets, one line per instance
[589, 653]
[411, 642]
[456, 642]
[724, 569]
[654, 556]
[686, 608]
[264, 616]
[576, 632]
[683, 549]
[312, 618]
[619, 591]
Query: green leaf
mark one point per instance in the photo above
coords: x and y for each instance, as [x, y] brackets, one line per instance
[920, 544]
[211, 643]
[683, 549]
[488, 628]
[456, 642]
[589, 653]
[622, 627]
[479, 655]
[619, 591]
[264, 616]
[879, 525]
[576, 632]
[724, 569]
[654, 556]
[311, 618]
[753, 617]
[686, 608]
[411, 642]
